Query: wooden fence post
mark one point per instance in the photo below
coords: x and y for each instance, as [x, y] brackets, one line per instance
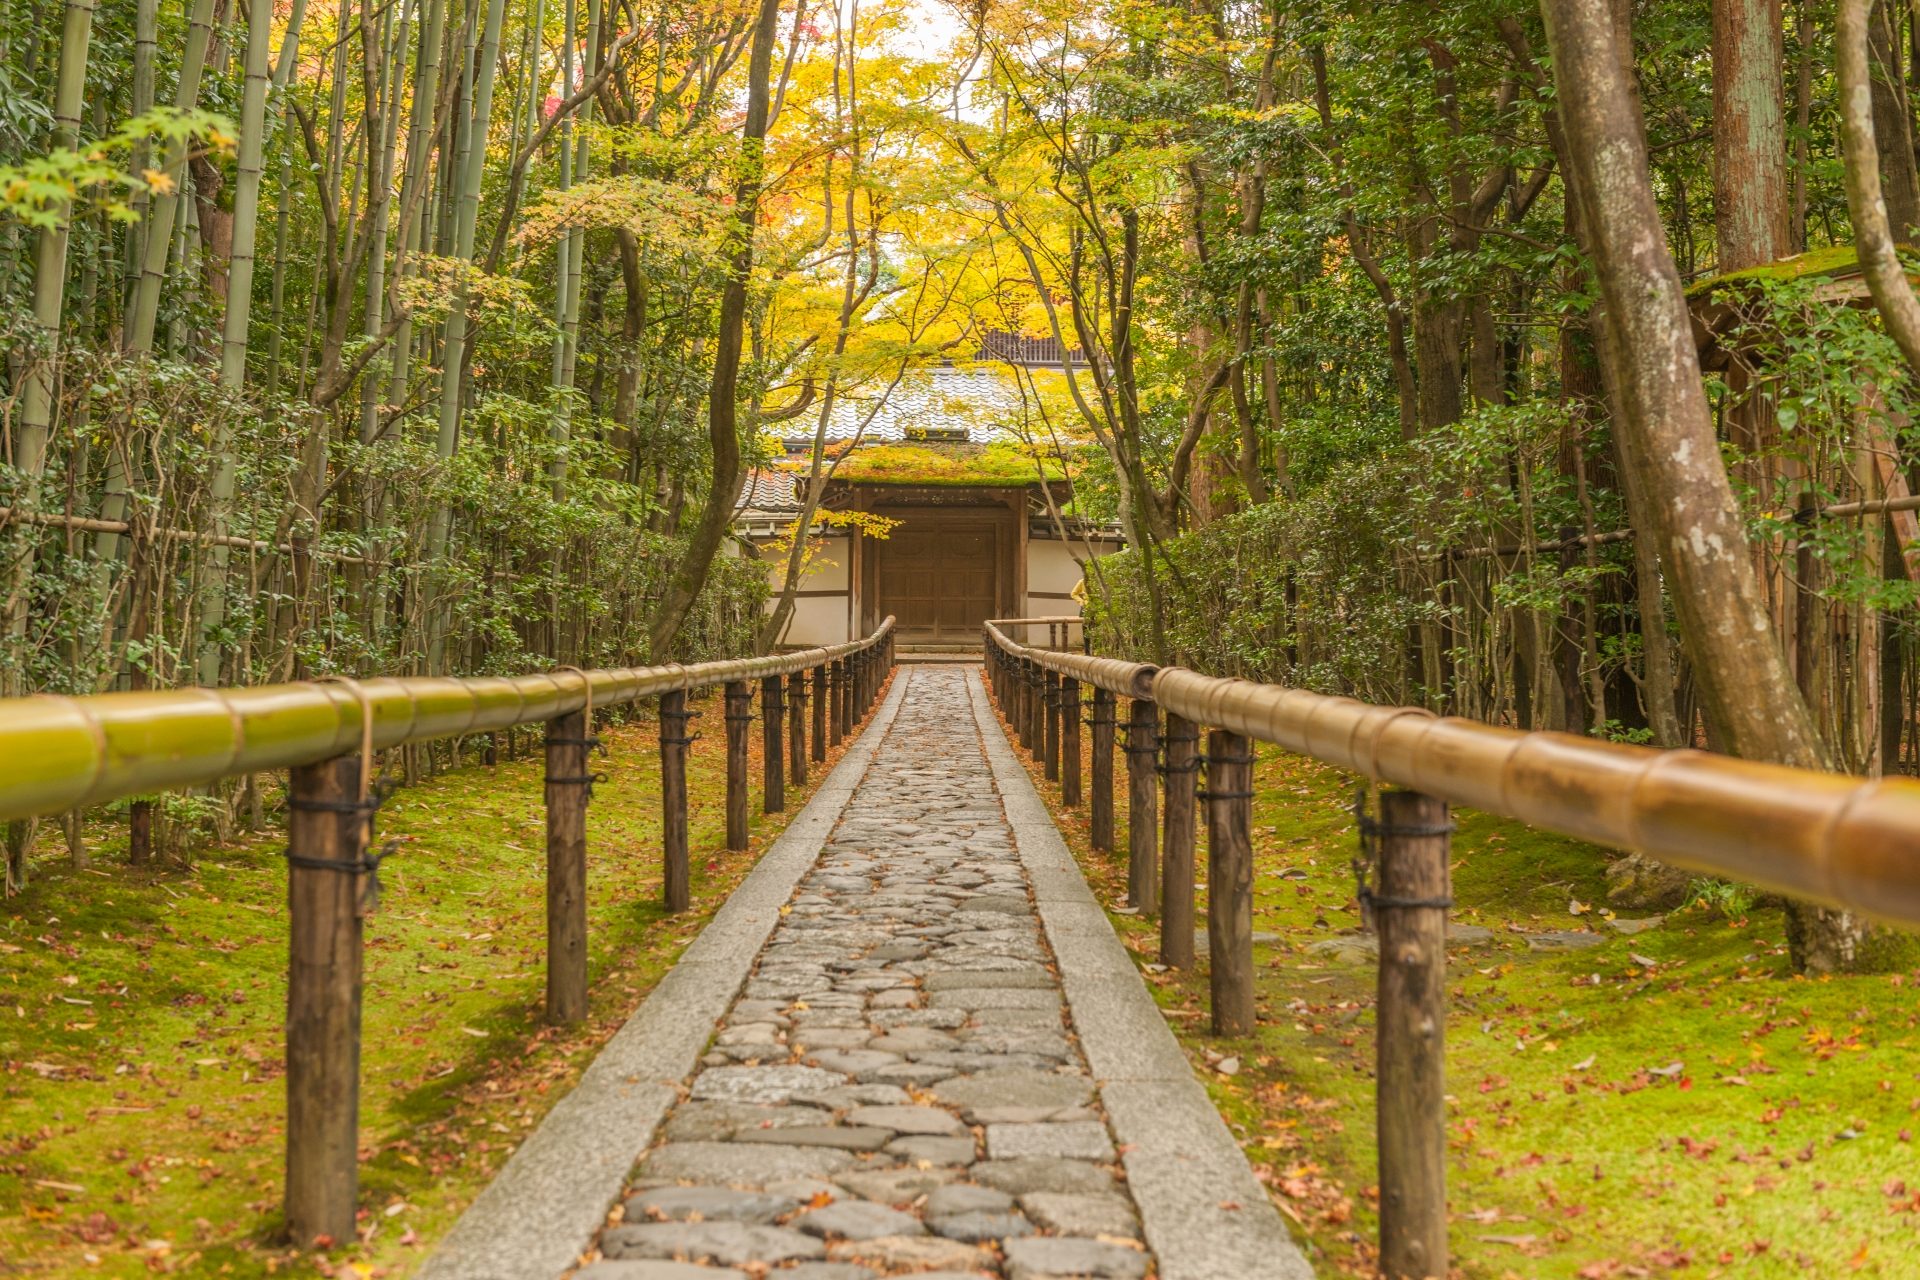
[1015, 708]
[739, 714]
[1032, 735]
[1102, 722]
[1069, 741]
[820, 700]
[773, 769]
[1412, 842]
[569, 786]
[674, 739]
[1143, 835]
[326, 850]
[1050, 725]
[1180, 765]
[1229, 882]
[837, 680]
[797, 728]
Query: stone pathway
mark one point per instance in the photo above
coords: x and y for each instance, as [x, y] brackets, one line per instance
[898, 1090]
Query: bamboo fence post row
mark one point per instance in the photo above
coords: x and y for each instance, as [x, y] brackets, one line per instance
[67, 753]
[1843, 841]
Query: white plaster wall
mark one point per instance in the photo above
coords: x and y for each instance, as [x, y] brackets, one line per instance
[816, 619]
[1051, 567]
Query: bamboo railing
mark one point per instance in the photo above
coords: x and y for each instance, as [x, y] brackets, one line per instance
[64, 753]
[1842, 841]
[1830, 838]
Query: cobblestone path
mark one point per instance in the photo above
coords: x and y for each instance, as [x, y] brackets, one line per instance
[897, 1091]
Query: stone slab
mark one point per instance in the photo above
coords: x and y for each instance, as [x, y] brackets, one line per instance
[1182, 1164]
[532, 1221]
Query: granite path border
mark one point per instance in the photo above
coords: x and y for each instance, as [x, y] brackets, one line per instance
[544, 1206]
[1205, 1215]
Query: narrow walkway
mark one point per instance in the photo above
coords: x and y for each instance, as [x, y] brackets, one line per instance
[899, 1085]
[908, 1044]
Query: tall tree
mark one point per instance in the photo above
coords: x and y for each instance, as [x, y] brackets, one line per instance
[1667, 432]
[1749, 133]
[723, 409]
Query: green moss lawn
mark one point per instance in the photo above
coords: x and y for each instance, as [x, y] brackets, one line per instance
[140, 1020]
[1675, 1102]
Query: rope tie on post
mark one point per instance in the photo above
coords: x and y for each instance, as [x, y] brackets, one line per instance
[1370, 830]
[373, 792]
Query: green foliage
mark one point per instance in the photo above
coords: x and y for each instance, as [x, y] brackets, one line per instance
[44, 190]
[1721, 899]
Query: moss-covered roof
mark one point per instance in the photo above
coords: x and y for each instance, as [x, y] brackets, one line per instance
[1834, 260]
[998, 465]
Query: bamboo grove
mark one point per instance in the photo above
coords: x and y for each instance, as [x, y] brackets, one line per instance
[441, 335]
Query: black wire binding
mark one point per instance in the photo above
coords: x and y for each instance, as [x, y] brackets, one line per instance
[586, 780]
[368, 863]
[681, 740]
[1370, 830]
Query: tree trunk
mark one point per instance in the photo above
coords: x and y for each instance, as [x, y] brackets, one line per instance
[471, 167]
[723, 425]
[1749, 134]
[49, 301]
[1893, 123]
[1666, 431]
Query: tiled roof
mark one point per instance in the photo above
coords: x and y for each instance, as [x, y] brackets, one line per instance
[972, 404]
[770, 492]
[978, 400]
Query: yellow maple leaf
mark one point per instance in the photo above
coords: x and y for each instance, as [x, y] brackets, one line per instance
[158, 181]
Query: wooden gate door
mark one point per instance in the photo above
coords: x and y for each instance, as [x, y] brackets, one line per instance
[937, 578]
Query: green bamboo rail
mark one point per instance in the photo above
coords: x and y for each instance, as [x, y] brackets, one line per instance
[1843, 841]
[65, 753]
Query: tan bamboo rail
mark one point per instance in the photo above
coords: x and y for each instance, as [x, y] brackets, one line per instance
[1830, 838]
[1845, 841]
[65, 752]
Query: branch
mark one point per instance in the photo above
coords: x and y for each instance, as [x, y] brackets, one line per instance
[1872, 231]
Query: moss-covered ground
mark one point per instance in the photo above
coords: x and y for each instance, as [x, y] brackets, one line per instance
[1675, 1102]
[140, 1019]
